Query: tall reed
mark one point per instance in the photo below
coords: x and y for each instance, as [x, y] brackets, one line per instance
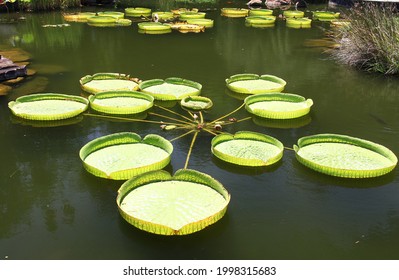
[371, 41]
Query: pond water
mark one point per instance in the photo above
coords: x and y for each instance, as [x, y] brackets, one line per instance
[51, 208]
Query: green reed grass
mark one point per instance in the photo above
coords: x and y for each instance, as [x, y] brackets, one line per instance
[371, 41]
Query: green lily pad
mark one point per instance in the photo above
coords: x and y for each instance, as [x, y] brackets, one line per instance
[154, 28]
[108, 82]
[207, 23]
[299, 22]
[260, 21]
[121, 102]
[48, 106]
[278, 105]
[171, 88]
[182, 204]
[121, 156]
[138, 12]
[344, 156]
[192, 15]
[260, 12]
[196, 103]
[234, 12]
[247, 148]
[255, 84]
[293, 14]
[325, 15]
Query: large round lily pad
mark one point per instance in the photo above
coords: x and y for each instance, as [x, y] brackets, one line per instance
[48, 106]
[234, 12]
[171, 88]
[299, 22]
[325, 15]
[254, 84]
[121, 102]
[344, 156]
[138, 12]
[182, 204]
[154, 28]
[247, 148]
[108, 82]
[260, 21]
[278, 105]
[121, 156]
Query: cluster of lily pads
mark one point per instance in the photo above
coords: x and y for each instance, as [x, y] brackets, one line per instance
[264, 17]
[148, 21]
[155, 201]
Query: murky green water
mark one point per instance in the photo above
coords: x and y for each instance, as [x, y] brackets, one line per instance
[51, 208]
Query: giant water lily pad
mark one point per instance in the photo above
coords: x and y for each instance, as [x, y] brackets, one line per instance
[207, 23]
[260, 12]
[278, 105]
[234, 12]
[192, 15]
[154, 28]
[121, 156]
[255, 84]
[78, 17]
[102, 21]
[299, 22]
[260, 21]
[171, 88]
[108, 82]
[344, 156]
[138, 12]
[293, 14]
[247, 148]
[325, 15]
[121, 102]
[48, 106]
[182, 204]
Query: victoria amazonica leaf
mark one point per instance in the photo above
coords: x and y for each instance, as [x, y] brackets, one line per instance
[107, 82]
[159, 203]
[48, 106]
[123, 155]
[278, 105]
[255, 84]
[121, 102]
[171, 88]
[344, 156]
[247, 148]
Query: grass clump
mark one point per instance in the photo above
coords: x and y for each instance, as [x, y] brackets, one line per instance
[371, 40]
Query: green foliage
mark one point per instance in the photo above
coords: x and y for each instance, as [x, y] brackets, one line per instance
[370, 42]
[46, 5]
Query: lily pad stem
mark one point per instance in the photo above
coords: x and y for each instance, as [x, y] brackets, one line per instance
[244, 119]
[232, 112]
[191, 148]
[170, 111]
[181, 136]
[125, 119]
[170, 118]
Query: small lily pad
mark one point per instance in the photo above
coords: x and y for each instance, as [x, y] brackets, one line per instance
[196, 103]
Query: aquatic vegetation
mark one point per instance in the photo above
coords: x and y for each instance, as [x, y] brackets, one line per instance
[155, 201]
[260, 12]
[207, 23]
[370, 42]
[260, 21]
[154, 28]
